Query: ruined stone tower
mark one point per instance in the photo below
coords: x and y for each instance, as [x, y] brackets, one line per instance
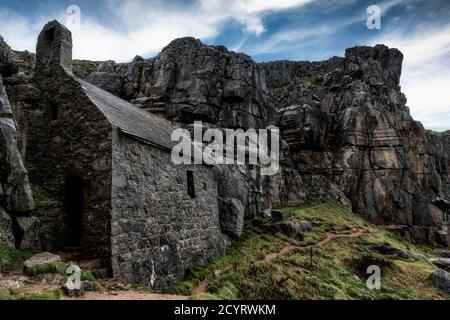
[54, 50]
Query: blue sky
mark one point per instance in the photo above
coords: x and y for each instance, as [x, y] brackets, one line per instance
[265, 29]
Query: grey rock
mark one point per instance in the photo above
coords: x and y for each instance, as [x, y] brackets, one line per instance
[8, 62]
[279, 215]
[87, 286]
[294, 229]
[219, 86]
[443, 263]
[232, 217]
[6, 231]
[351, 138]
[444, 253]
[28, 229]
[16, 191]
[390, 251]
[441, 280]
[41, 259]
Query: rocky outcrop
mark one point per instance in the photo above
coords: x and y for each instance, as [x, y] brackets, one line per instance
[6, 229]
[438, 150]
[441, 280]
[8, 63]
[15, 192]
[190, 81]
[352, 138]
[347, 131]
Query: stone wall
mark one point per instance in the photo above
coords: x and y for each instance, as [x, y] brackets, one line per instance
[158, 230]
[69, 137]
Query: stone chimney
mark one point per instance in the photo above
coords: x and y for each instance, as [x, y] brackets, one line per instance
[53, 51]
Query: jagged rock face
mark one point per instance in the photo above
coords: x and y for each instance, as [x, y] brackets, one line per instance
[350, 132]
[438, 150]
[190, 81]
[15, 192]
[8, 63]
[6, 230]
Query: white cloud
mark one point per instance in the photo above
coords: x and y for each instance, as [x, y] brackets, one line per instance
[298, 38]
[144, 26]
[18, 32]
[306, 36]
[426, 72]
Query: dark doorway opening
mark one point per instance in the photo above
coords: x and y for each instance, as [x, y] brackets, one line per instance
[74, 211]
[191, 184]
[54, 112]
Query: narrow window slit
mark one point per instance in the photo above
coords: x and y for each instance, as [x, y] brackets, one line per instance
[191, 184]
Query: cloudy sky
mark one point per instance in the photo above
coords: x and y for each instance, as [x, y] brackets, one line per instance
[265, 29]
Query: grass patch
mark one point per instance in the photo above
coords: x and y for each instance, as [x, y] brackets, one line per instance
[191, 281]
[5, 294]
[83, 68]
[57, 268]
[40, 196]
[49, 268]
[51, 294]
[334, 271]
[86, 276]
[12, 259]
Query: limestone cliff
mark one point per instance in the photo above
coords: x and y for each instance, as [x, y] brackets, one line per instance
[348, 133]
[15, 193]
[346, 128]
[190, 81]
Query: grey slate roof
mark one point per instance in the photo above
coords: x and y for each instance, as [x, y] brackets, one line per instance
[130, 119]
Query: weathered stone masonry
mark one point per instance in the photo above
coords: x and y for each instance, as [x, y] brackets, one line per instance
[137, 213]
[158, 229]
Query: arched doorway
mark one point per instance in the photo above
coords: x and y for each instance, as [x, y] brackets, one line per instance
[74, 204]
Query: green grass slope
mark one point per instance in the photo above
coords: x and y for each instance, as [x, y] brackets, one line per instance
[334, 270]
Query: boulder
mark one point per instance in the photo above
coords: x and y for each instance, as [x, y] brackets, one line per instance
[232, 217]
[8, 63]
[28, 229]
[40, 260]
[16, 190]
[390, 251]
[441, 280]
[279, 215]
[233, 191]
[6, 231]
[442, 263]
[294, 229]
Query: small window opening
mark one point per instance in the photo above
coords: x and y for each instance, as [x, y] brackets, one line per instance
[54, 112]
[74, 199]
[191, 184]
[50, 35]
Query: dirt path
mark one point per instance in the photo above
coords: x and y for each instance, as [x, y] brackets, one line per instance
[330, 237]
